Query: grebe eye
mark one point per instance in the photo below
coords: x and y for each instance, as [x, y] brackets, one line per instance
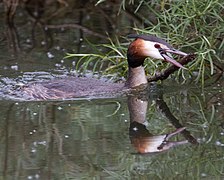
[157, 46]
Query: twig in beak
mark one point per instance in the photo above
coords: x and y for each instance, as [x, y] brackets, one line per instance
[170, 70]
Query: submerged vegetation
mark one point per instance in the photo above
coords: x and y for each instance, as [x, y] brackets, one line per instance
[192, 26]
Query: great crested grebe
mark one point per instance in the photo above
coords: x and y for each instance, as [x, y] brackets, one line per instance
[142, 47]
[142, 140]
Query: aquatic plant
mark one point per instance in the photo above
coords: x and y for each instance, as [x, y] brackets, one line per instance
[191, 26]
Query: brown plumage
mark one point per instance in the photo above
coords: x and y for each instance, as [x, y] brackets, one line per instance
[142, 47]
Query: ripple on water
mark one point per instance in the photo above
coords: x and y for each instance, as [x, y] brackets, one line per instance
[11, 87]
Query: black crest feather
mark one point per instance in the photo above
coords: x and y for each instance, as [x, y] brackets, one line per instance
[149, 38]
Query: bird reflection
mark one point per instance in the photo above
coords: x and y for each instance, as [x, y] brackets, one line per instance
[142, 140]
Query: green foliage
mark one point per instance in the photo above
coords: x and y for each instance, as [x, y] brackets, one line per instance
[192, 26]
[195, 27]
[114, 60]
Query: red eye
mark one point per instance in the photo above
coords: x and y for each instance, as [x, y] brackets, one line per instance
[157, 46]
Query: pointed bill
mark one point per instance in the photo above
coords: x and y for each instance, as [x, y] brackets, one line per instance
[171, 60]
[175, 51]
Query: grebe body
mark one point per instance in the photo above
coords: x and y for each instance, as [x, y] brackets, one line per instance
[71, 87]
[142, 47]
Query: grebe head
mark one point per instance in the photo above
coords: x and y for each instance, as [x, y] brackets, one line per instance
[150, 46]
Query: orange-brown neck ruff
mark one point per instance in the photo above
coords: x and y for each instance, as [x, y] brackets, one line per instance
[135, 54]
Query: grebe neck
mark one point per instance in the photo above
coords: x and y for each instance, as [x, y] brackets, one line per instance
[136, 77]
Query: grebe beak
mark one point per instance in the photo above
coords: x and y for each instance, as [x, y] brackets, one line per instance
[170, 59]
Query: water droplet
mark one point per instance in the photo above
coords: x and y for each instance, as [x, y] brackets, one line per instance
[59, 108]
[50, 55]
[33, 150]
[218, 143]
[28, 40]
[57, 48]
[135, 128]
[57, 65]
[29, 177]
[43, 42]
[15, 67]
[42, 143]
[37, 176]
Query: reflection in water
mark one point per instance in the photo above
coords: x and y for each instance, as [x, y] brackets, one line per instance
[144, 142]
[89, 139]
[11, 32]
[44, 20]
[47, 138]
[50, 140]
[94, 139]
[141, 138]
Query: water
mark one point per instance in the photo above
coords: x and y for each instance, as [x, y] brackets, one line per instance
[102, 138]
[91, 138]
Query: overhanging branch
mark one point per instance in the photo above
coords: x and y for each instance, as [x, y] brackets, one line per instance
[170, 70]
